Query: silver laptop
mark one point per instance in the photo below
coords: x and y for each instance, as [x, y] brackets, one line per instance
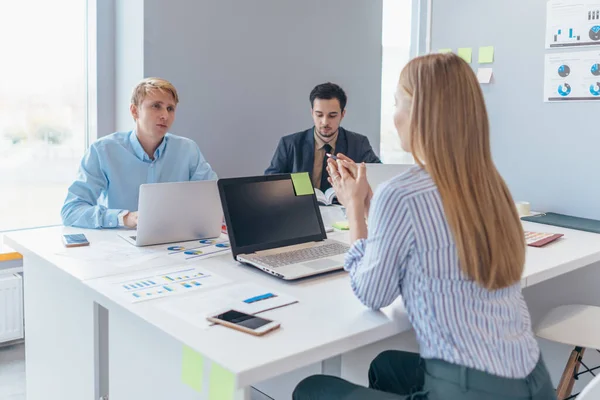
[177, 212]
[273, 228]
[380, 173]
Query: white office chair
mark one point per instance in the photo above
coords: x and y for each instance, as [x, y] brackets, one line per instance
[579, 326]
[591, 391]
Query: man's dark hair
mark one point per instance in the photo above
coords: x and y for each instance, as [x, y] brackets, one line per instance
[328, 91]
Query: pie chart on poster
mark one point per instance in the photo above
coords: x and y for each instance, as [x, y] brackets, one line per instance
[564, 71]
[564, 89]
[207, 241]
[175, 248]
[595, 33]
[223, 245]
[595, 70]
[595, 89]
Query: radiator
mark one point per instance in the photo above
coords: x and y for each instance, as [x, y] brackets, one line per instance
[11, 307]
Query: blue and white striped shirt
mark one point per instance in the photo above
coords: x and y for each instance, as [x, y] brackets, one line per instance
[410, 252]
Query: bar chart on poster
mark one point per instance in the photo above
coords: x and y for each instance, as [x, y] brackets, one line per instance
[572, 23]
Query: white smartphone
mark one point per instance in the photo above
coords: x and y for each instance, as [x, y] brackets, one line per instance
[75, 240]
[244, 322]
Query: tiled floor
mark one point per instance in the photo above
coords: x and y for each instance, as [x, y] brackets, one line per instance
[12, 372]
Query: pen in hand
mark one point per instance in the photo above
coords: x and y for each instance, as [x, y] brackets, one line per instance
[333, 157]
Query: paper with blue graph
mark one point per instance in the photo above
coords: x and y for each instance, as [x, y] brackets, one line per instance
[169, 282]
[198, 249]
[245, 297]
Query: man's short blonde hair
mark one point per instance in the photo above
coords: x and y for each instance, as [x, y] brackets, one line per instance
[150, 84]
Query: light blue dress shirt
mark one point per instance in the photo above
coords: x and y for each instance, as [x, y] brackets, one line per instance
[115, 166]
[411, 252]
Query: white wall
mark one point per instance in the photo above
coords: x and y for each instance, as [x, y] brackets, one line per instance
[244, 69]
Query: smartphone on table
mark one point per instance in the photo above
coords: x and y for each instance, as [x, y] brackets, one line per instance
[247, 323]
[75, 240]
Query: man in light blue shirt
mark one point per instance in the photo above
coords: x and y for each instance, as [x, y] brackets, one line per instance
[105, 193]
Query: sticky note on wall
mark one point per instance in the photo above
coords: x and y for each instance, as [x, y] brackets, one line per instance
[486, 55]
[222, 384]
[466, 53]
[445, 51]
[192, 368]
[484, 75]
[302, 184]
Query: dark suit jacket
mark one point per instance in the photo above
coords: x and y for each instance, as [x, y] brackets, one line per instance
[296, 152]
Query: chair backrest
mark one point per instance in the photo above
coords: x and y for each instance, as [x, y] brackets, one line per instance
[591, 391]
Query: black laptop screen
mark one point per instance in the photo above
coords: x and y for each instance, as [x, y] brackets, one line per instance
[269, 212]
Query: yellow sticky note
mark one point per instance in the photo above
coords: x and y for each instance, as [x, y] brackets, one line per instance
[486, 55]
[222, 384]
[192, 369]
[302, 184]
[466, 53]
[445, 51]
[341, 225]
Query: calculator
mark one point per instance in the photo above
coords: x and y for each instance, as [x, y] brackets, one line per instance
[539, 239]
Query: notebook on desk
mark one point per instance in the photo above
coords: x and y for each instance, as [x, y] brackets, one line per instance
[277, 227]
[565, 221]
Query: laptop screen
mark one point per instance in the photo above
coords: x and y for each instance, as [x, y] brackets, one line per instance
[265, 212]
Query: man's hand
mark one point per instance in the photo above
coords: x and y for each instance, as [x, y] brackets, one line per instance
[131, 219]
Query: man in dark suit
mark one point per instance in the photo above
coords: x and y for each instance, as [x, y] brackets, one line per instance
[306, 151]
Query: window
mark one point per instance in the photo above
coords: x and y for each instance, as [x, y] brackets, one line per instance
[396, 42]
[43, 131]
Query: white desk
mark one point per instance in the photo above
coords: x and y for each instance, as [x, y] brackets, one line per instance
[64, 351]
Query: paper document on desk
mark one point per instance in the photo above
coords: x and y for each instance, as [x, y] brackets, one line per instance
[167, 282]
[197, 250]
[245, 297]
[121, 255]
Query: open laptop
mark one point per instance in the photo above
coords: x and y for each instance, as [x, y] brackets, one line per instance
[176, 212]
[275, 230]
[379, 173]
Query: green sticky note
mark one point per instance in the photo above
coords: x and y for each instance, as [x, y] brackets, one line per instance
[466, 53]
[445, 51]
[341, 225]
[222, 384]
[486, 55]
[192, 369]
[302, 184]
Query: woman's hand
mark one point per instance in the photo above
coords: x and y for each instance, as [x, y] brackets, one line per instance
[352, 168]
[352, 192]
[349, 182]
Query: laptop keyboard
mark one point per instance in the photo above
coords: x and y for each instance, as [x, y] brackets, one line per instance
[301, 255]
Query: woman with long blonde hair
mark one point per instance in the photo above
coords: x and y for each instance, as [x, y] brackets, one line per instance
[446, 237]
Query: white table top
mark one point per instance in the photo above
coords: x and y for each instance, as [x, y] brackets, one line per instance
[576, 249]
[327, 321]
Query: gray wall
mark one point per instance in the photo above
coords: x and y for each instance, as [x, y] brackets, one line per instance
[548, 153]
[244, 69]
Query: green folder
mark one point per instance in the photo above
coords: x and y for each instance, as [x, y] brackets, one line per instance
[565, 221]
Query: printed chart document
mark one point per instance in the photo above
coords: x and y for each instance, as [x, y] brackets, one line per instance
[198, 249]
[572, 23]
[572, 76]
[168, 282]
[245, 297]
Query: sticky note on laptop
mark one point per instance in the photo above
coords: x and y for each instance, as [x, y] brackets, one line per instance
[302, 184]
